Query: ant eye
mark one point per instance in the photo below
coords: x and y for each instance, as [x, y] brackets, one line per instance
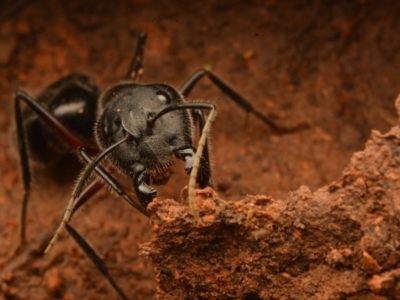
[164, 97]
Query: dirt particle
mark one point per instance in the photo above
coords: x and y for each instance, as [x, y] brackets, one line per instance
[392, 261]
[23, 27]
[260, 233]
[8, 277]
[370, 263]
[53, 280]
[248, 55]
[298, 224]
[8, 290]
[359, 183]
[384, 282]
[334, 257]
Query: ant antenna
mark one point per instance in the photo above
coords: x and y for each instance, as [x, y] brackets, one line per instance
[202, 142]
[78, 189]
[152, 120]
[197, 158]
[107, 178]
[89, 168]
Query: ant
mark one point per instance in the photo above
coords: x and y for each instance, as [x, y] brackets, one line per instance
[141, 128]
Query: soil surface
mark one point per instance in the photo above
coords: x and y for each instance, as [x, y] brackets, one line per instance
[332, 64]
[339, 242]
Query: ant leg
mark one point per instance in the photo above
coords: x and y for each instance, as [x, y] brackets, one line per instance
[237, 98]
[25, 169]
[70, 139]
[94, 257]
[111, 181]
[204, 172]
[86, 195]
[79, 187]
[136, 67]
[141, 181]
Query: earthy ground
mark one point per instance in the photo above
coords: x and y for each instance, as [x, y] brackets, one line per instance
[333, 64]
[339, 242]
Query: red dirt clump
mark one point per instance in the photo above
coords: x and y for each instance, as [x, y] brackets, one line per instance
[340, 241]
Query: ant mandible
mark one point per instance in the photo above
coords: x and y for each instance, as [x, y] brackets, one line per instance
[140, 129]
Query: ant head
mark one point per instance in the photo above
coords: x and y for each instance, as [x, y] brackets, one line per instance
[128, 107]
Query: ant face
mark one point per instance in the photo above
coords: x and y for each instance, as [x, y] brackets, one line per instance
[128, 107]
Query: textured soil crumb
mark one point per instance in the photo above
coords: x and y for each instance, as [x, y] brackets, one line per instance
[341, 241]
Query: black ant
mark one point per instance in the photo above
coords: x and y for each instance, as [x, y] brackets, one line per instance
[141, 128]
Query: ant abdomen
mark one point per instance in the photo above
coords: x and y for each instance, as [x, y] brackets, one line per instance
[72, 100]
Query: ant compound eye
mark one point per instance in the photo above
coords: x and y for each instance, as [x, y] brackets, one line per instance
[163, 97]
